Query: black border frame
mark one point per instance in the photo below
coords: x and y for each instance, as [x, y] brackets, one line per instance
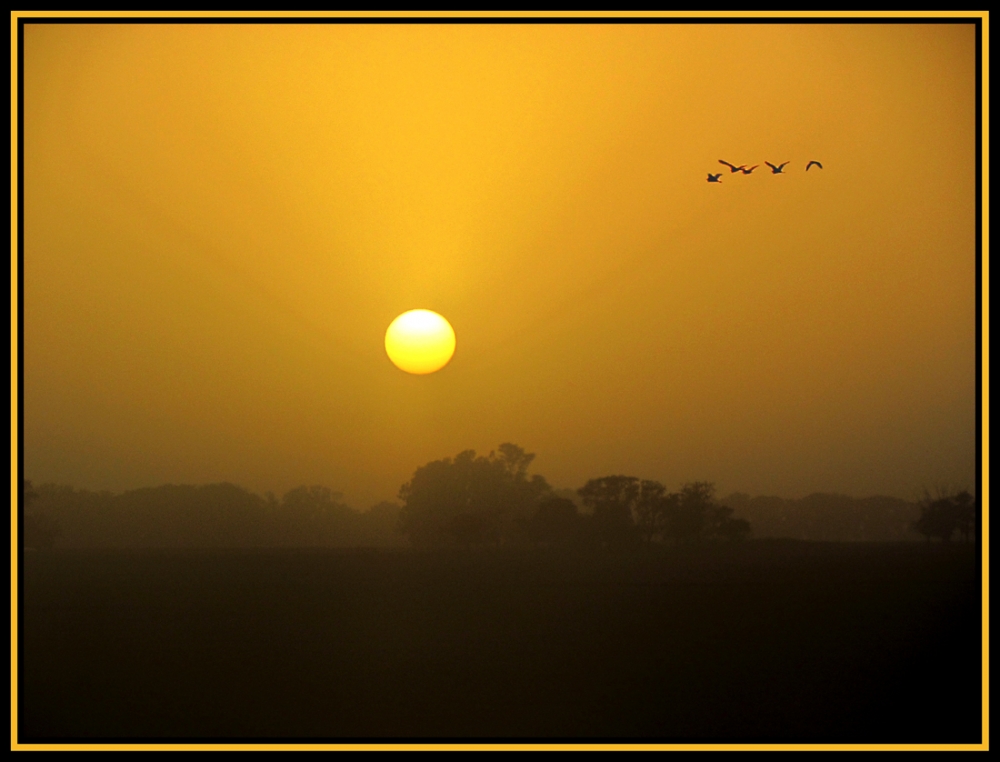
[976, 21]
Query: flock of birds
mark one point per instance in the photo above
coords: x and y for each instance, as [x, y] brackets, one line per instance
[775, 169]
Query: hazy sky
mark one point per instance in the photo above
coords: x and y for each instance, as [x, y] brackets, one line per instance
[220, 222]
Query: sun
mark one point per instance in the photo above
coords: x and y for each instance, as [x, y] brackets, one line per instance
[420, 341]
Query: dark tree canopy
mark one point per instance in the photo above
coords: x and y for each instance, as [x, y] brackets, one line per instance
[946, 514]
[692, 514]
[696, 514]
[626, 509]
[556, 522]
[966, 513]
[471, 500]
[651, 507]
[468, 500]
[612, 500]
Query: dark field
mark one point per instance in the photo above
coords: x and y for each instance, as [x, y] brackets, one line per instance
[764, 641]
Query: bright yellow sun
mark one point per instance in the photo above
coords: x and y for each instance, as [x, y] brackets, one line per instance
[420, 341]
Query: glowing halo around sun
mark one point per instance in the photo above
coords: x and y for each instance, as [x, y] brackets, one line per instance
[420, 341]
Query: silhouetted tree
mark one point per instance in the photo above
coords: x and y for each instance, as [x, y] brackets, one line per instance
[729, 528]
[473, 529]
[653, 507]
[612, 500]
[695, 514]
[471, 499]
[966, 510]
[936, 520]
[557, 521]
[945, 514]
[690, 513]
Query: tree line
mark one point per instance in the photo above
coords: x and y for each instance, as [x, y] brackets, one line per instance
[943, 515]
[213, 515]
[472, 500]
[491, 500]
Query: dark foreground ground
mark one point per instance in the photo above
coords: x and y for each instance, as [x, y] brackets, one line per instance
[781, 642]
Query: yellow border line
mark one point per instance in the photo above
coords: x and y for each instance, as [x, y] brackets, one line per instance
[984, 498]
[500, 747]
[503, 14]
[985, 275]
[14, 377]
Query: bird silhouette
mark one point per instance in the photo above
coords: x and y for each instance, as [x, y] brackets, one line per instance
[732, 167]
[714, 178]
[776, 170]
[813, 162]
[751, 169]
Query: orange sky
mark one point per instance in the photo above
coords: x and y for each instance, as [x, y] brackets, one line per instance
[220, 221]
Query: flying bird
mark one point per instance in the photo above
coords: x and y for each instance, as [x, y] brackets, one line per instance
[714, 178]
[748, 171]
[776, 170]
[813, 162]
[732, 167]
